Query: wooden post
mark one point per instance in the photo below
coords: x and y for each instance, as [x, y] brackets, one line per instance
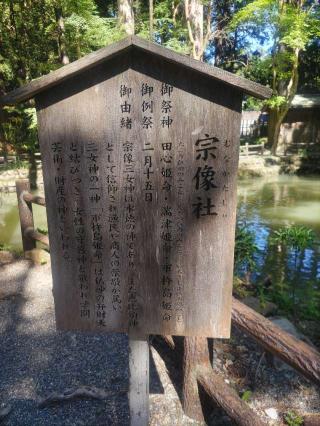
[196, 355]
[247, 149]
[25, 214]
[139, 381]
[226, 398]
[291, 350]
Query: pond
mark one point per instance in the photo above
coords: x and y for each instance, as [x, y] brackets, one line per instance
[263, 207]
[267, 206]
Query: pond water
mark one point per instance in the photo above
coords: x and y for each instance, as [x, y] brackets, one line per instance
[266, 206]
[263, 207]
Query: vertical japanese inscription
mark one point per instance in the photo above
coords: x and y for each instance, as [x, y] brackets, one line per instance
[130, 230]
[141, 190]
[92, 153]
[167, 215]
[180, 196]
[204, 178]
[147, 110]
[128, 227]
[57, 156]
[74, 162]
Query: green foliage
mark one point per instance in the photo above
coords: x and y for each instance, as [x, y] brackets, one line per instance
[34, 33]
[292, 26]
[240, 287]
[293, 419]
[295, 237]
[31, 34]
[7, 247]
[4, 247]
[14, 165]
[245, 249]
[43, 231]
[169, 31]
[309, 69]
[276, 102]
[252, 104]
[246, 396]
[309, 305]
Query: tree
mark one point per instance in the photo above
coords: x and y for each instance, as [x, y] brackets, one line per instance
[126, 16]
[37, 37]
[309, 68]
[292, 24]
[195, 13]
[222, 43]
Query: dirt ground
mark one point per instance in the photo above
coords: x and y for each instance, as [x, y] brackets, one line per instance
[36, 360]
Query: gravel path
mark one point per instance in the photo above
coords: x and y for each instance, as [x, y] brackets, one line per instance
[36, 360]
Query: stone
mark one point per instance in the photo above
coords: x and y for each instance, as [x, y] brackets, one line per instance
[272, 413]
[38, 256]
[267, 309]
[288, 327]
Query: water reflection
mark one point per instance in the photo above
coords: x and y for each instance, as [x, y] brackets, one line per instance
[10, 233]
[264, 207]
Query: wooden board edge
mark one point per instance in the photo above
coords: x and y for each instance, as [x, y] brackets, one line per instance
[40, 84]
[36, 86]
[242, 84]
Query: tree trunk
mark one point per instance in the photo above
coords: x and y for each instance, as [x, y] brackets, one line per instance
[64, 59]
[3, 140]
[291, 350]
[288, 91]
[222, 47]
[151, 20]
[274, 125]
[126, 16]
[194, 17]
[195, 355]
[227, 398]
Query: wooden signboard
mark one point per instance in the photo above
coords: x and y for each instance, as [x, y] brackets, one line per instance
[140, 152]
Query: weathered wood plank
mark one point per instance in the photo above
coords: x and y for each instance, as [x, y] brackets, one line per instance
[35, 199]
[293, 351]
[176, 273]
[139, 381]
[226, 398]
[25, 213]
[244, 85]
[133, 42]
[195, 355]
[31, 233]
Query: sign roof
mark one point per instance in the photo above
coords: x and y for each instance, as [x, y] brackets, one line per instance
[124, 46]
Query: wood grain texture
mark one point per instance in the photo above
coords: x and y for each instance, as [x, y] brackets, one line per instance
[162, 266]
[226, 398]
[293, 351]
[35, 199]
[31, 233]
[133, 43]
[25, 213]
[139, 381]
[195, 355]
